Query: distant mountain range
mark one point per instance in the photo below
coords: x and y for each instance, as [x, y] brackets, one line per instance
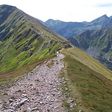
[71, 29]
[94, 37]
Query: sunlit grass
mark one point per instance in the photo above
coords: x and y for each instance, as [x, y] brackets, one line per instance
[90, 87]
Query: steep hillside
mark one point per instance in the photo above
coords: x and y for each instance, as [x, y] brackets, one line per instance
[97, 43]
[89, 82]
[24, 41]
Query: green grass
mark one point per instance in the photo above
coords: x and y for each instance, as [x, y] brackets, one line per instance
[89, 61]
[14, 58]
[25, 43]
[91, 89]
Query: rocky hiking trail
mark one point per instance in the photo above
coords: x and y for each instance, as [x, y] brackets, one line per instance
[38, 91]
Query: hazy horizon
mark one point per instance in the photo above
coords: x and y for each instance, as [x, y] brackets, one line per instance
[69, 10]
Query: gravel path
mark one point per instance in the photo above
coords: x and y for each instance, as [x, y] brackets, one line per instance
[38, 91]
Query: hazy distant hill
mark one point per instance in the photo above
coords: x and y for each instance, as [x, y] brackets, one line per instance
[71, 29]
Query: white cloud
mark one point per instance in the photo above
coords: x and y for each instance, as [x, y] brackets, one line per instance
[67, 10]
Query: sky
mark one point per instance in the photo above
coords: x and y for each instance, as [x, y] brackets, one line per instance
[65, 10]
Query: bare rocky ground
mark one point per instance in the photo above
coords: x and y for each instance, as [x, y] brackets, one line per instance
[38, 91]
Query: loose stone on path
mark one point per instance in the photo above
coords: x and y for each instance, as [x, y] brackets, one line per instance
[38, 91]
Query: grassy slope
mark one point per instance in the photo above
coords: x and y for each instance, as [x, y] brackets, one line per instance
[90, 62]
[26, 43]
[89, 86]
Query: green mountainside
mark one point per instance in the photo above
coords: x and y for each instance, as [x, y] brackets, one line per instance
[24, 40]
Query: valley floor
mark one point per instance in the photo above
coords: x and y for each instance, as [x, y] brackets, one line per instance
[38, 91]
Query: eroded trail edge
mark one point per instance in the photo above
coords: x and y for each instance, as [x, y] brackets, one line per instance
[38, 91]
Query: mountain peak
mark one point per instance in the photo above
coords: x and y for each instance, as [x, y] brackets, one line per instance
[101, 19]
[52, 21]
[105, 16]
[7, 6]
[5, 11]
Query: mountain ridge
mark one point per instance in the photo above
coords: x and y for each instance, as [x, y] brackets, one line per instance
[94, 37]
[96, 23]
[24, 40]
